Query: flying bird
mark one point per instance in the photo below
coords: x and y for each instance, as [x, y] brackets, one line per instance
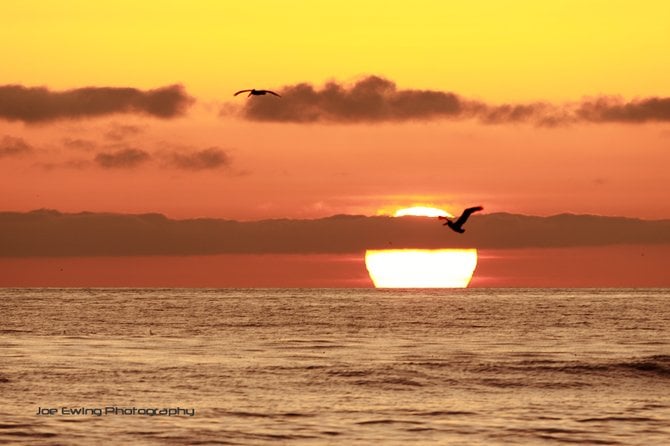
[254, 92]
[460, 221]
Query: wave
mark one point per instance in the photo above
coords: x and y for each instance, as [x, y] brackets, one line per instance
[504, 373]
[656, 364]
[273, 415]
[645, 366]
[617, 419]
[392, 382]
[443, 413]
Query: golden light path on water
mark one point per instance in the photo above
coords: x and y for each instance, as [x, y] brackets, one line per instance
[421, 268]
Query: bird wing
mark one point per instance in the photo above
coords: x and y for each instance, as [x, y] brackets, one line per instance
[241, 91]
[466, 214]
[442, 217]
[272, 92]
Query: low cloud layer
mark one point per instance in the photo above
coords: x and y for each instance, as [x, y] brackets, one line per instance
[41, 105]
[375, 99]
[51, 233]
[11, 146]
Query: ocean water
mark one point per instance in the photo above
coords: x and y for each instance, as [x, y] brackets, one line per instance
[324, 366]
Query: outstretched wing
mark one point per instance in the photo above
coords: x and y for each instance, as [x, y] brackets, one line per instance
[272, 92]
[241, 91]
[466, 214]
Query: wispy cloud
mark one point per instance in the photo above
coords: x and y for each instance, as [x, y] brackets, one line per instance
[211, 158]
[11, 146]
[194, 160]
[79, 143]
[119, 132]
[375, 99]
[122, 159]
[121, 155]
[73, 164]
[41, 105]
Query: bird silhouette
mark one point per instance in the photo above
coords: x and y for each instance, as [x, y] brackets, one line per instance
[460, 221]
[254, 92]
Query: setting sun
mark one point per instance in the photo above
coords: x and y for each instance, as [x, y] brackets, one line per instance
[421, 268]
[422, 211]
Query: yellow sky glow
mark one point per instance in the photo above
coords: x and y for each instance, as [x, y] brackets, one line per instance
[499, 51]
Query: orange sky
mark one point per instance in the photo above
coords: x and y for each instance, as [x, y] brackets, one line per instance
[203, 152]
[308, 171]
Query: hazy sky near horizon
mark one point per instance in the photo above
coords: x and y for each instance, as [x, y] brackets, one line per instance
[535, 108]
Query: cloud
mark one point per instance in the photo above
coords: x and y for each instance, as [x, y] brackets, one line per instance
[51, 233]
[375, 99]
[211, 158]
[539, 113]
[41, 105]
[371, 99]
[608, 109]
[125, 158]
[121, 156]
[122, 159]
[78, 143]
[77, 164]
[118, 132]
[11, 146]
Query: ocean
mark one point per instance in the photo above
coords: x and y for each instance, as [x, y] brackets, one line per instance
[335, 366]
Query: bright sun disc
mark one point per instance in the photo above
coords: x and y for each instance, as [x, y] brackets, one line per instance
[422, 211]
[421, 268]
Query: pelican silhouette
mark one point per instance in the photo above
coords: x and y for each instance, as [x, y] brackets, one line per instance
[460, 221]
[254, 92]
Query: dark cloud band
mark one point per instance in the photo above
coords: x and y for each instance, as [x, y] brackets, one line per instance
[371, 99]
[375, 99]
[51, 233]
[616, 110]
[39, 104]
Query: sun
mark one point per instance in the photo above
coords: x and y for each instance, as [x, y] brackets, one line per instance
[421, 268]
[422, 211]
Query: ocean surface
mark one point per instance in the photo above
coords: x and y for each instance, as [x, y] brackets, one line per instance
[335, 366]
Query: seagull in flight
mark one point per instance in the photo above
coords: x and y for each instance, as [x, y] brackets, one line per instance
[460, 221]
[254, 92]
